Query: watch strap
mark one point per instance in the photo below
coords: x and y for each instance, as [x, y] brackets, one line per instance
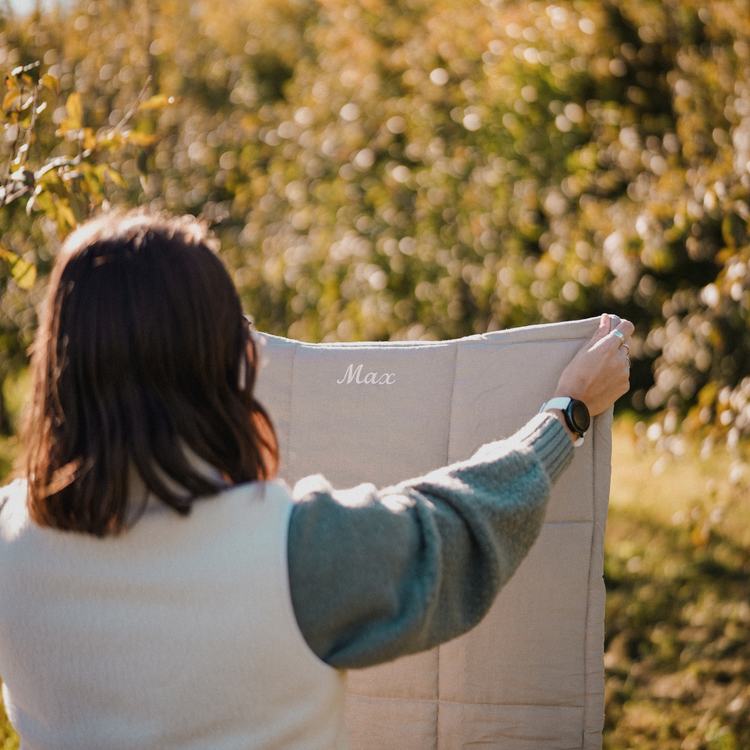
[562, 403]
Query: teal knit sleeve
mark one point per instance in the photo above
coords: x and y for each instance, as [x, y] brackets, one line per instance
[377, 574]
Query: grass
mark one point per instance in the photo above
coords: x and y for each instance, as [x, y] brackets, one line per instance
[677, 567]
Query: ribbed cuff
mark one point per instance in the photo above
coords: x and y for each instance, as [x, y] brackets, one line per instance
[550, 441]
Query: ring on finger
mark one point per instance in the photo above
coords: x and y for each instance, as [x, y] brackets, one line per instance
[620, 335]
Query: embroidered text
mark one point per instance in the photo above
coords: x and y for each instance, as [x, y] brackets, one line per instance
[354, 375]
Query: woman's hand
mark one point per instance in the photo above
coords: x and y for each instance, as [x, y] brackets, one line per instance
[600, 373]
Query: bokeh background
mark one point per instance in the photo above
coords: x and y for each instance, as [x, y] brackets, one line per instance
[418, 169]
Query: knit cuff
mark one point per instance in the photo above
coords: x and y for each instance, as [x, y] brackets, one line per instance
[550, 441]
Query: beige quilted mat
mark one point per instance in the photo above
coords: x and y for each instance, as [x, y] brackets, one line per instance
[531, 676]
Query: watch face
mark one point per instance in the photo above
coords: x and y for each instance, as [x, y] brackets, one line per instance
[580, 417]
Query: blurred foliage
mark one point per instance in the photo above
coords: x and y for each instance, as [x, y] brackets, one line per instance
[676, 566]
[413, 169]
[8, 737]
[55, 172]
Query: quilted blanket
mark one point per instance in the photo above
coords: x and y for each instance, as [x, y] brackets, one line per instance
[531, 675]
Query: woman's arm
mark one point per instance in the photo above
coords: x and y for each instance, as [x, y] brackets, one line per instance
[377, 574]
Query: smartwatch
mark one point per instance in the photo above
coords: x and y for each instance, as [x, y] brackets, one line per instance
[576, 415]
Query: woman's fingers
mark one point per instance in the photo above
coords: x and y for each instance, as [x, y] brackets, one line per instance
[625, 329]
[600, 372]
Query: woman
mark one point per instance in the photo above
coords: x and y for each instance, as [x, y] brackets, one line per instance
[158, 589]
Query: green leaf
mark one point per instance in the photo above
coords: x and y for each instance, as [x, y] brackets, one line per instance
[52, 184]
[45, 202]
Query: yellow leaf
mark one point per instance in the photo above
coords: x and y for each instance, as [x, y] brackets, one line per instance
[74, 108]
[92, 183]
[159, 101]
[51, 83]
[66, 213]
[68, 126]
[115, 176]
[23, 272]
[51, 180]
[44, 199]
[89, 139]
[111, 140]
[10, 97]
[140, 139]
[707, 395]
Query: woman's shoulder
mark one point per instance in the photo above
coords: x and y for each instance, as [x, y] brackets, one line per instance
[13, 504]
[12, 492]
[276, 490]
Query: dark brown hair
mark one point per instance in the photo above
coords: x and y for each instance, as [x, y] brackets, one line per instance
[143, 358]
